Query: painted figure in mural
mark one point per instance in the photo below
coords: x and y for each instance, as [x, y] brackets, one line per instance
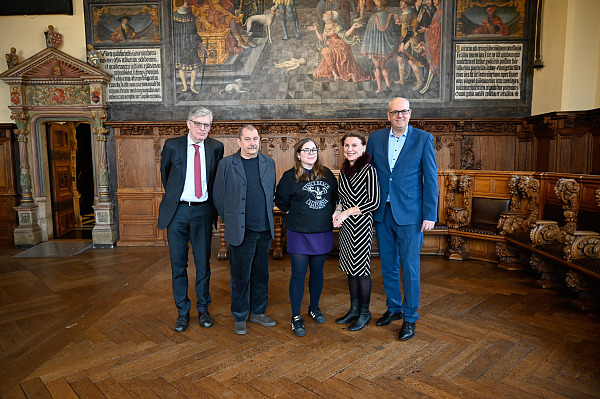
[53, 38]
[187, 43]
[338, 61]
[124, 31]
[342, 7]
[220, 14]
[287, 8]
[380, 42]
[93, 56]
[363, 5]
[409, 50]
[492, 25]
[433, 44]
[12, 58]
[291, 64]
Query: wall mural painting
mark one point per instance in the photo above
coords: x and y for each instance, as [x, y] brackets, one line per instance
[312, 59]
[305, 52]
[125, 24]
[496, 19]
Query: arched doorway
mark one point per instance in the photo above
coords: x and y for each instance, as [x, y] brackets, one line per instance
[52, 86]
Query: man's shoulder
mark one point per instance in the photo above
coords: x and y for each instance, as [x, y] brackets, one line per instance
[378, 135]
[176, 140]
[419, 132]
[209, 141]
[265, 158]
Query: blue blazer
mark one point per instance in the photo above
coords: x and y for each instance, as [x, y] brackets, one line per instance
[413, 186]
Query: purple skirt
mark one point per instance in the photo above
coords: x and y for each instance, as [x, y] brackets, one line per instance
[309, 243]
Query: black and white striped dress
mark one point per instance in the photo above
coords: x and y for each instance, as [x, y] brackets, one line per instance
[356, 232]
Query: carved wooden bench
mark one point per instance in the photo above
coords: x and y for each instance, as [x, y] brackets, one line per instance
[565, 249]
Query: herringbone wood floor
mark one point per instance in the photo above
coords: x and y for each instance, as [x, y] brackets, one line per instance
[100, 325]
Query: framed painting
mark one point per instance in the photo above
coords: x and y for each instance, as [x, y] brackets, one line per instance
[125, 24]
[495, 19]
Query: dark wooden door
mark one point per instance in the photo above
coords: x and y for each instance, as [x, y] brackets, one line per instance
[62, 185]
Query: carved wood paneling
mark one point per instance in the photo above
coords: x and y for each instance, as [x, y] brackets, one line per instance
[8, 191]
[499, 144]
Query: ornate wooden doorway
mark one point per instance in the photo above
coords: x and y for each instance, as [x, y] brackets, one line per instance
[61, 181]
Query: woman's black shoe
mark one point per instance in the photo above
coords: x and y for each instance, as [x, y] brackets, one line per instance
[363, 319]
[351, 315]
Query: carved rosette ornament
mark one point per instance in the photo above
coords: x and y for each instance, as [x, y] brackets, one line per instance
[586, 289]
[544, 232]
[581, 245]
[550, 274]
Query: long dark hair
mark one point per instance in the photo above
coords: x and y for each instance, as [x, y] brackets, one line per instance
[318, 170]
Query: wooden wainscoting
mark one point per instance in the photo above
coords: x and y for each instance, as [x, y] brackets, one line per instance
[569, 142]
[8, 190]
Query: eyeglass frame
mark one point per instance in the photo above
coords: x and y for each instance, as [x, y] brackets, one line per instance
[404, 112]
[309, 150]
[200, 124]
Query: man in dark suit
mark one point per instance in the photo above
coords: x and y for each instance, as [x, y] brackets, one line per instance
[188, 167]
[244, 191]
[404, 158]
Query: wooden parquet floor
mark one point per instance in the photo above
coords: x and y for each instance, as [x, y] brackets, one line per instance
[100, 325]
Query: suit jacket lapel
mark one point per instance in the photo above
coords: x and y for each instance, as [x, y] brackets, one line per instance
[208, 157]
[237, 164]
[408, 143]
[183, 154]
[386, 145]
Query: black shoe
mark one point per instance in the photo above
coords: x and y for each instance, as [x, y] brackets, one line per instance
[364, 317]
[182, 322]
[298, 326]
[316, 315]
[351, 315]
[407, 331]
[388, 317]
[205, 319]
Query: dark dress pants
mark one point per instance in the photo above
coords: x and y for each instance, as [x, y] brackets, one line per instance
[249, 271]
[190, 224]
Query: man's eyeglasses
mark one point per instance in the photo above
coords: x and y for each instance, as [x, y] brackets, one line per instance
[310, 150]
[201, 125]
[404, 112]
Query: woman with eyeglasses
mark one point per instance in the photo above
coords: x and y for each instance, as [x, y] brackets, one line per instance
[359, 198]
[308, 193]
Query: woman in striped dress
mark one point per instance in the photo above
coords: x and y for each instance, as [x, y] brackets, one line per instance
[359, 198]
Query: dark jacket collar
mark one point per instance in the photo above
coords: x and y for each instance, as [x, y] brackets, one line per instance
[361, 161]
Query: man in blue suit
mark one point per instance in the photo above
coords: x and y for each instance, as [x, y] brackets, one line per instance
[404, 158]
[188, 166]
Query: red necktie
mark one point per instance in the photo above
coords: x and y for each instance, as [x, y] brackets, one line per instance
[197, 172]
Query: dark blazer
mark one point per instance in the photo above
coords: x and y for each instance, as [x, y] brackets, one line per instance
[230, 194]
[413, 186]
[173, 165]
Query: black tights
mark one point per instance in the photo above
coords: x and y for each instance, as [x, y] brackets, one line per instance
[360, 288]
[300, 264]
